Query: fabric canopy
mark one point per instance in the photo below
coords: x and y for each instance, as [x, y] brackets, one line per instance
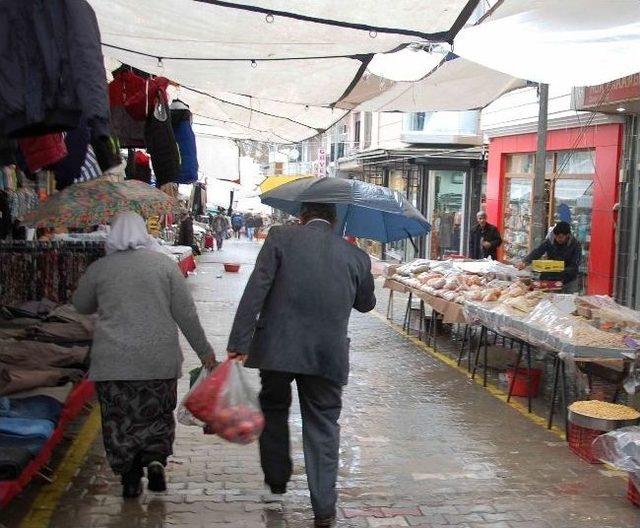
[456, 84]
[569, 42]
[292, 60]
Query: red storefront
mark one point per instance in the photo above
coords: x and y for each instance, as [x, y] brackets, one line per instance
[581, 186]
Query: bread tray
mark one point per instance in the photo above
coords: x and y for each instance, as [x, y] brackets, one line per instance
[599, 424]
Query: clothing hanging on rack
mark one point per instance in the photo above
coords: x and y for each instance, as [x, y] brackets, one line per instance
[52, 53]
[161, 142]
[36, 270]
[181, 120]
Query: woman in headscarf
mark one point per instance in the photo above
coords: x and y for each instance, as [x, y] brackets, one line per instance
[141, 299]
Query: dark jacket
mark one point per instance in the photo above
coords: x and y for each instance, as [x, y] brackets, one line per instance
[294, 313]
[477, 235]
[51, 60]
[237, 221]
[161, 143]
[570, 253]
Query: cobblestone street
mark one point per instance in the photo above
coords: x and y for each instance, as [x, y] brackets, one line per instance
[422, 446]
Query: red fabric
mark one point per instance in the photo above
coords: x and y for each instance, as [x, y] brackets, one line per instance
[43, 151]
[136, 94]
[141, 158]
[79, 396]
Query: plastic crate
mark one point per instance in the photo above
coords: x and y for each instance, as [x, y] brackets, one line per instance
[632, 493]
[581, 440]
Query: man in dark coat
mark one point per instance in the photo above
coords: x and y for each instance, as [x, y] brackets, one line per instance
[484, 239]
[292, 325]
[564, 247]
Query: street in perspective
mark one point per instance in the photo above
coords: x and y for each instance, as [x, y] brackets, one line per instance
[300, 264]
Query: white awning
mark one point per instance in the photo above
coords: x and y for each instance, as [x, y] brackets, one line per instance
[456, 84]
[291, 60]
[569, 42]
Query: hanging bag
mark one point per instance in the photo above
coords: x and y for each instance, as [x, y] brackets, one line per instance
[226, 402]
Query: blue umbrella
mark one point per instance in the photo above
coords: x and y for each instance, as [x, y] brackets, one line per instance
[364, 210]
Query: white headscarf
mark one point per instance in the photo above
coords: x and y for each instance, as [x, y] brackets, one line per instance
[129, 231]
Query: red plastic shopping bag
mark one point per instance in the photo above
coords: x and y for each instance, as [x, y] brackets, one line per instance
[227, 403]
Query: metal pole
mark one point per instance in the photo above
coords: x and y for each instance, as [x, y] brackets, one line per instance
[538, 217]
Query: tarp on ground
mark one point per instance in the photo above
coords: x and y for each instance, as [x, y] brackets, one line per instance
[569, 42]
[291, 60]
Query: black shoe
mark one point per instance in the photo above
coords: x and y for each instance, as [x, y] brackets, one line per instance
[324, 521]
[132, 483]
[155, 475]
[278, 490]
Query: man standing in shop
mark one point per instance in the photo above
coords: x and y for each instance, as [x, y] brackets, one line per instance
[484, 239]
[564, 247]
[292, 325]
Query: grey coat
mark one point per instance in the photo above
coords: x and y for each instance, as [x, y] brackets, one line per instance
[294, 314]
[141, 299]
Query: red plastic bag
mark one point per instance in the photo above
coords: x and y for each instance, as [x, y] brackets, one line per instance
[226, 402]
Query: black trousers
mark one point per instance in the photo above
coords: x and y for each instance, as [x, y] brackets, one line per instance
[320, 404]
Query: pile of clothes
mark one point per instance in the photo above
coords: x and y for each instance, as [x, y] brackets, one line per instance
[44, 350]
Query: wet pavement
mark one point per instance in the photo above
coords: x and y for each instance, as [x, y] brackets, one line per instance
[421, 446]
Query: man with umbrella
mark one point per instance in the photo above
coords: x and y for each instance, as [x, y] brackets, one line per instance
[292, 325]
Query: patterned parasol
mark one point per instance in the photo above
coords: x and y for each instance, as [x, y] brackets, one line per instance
[88, 204]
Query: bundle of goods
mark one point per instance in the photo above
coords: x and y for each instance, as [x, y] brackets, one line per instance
[604, 313]
[44, 352]
[554, 326]
[621, 449]
[225, 403]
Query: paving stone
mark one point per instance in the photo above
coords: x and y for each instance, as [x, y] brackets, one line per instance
[422, 446]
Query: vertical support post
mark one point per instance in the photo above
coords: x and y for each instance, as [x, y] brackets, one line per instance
[538, 218]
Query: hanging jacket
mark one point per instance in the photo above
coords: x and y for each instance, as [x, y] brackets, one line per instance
[129, 110]
[43, 151]
[186, 139]
[68, 169]
[52, 65]
[138, 167]
[161, 143]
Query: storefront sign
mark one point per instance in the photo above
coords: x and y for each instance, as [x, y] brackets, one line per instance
[618, 91]
[322, 163]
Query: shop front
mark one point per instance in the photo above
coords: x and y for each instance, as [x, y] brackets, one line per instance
[581, 187]
[447, 191]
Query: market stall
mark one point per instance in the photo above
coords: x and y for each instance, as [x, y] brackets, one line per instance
[495, 298]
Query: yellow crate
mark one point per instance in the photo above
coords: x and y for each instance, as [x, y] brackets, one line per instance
[547, 265]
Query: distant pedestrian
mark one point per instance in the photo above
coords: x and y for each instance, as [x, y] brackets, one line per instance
[484, 239]
[250, 224]
[141, 299]
[237, 221]
[220, 226]
[259, 224]
[292, 325]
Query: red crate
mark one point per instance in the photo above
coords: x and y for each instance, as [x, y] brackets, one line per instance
[581, 441]
[632, 493]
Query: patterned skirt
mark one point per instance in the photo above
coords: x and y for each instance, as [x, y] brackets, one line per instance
[138, 426]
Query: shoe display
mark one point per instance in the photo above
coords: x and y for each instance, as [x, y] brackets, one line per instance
[156, 477]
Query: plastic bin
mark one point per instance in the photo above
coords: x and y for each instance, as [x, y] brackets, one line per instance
[232, 268]
[520, 387]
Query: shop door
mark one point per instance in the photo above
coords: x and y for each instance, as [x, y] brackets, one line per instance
[445, 211]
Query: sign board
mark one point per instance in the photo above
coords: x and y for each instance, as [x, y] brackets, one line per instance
[322, 163]
[618, 91]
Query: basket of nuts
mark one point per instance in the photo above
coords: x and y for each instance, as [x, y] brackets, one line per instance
[590, 419]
